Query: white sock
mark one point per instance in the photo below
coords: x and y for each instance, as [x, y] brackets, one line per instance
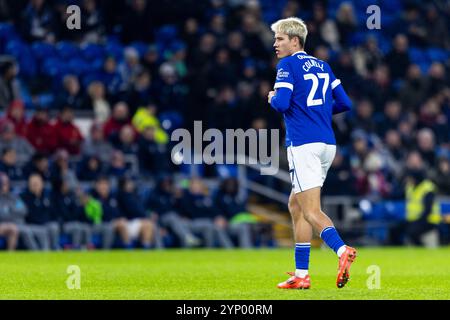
[340, 251]
[301, 273]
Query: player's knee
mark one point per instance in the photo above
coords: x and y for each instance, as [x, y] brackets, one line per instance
[310, 214]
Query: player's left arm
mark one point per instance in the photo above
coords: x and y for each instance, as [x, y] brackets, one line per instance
[284, 85]
[342, 102]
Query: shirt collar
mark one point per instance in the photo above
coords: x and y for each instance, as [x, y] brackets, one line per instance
[301, 51]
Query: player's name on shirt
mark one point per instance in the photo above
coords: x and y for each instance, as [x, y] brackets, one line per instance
[308, 64]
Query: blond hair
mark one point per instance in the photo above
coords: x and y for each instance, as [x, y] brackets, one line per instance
[292, 27]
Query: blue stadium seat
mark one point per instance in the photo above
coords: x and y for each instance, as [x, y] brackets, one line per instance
[165, 35]
[78, 66]
[7, 34]
[417, 55]
[67, 50]
[170, 120]
[2, 243]
[93, 52]
[114, 49]
[437, 54]
[21, 51]
[43, 50]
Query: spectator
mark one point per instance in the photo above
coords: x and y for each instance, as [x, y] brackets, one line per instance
[125, 140]
[426, 146]
[390, 119]
[153, 156]
[340, 180]
[204, 217]
[9, 86]
[137, 223]
[92, 25]
[441, 175]
[398, 58]
[38, 22]
[346, 22]
[13, 211]
[367, 57]
[171, 92]
[110, 77]
[422, 210]
[431, 116]
[61, 169]
[137, 24]
[90, 168]
[141, 92]
[117, 165]
[129, 68]
[16, 115]
[71, 95]
[395, 152]
[118, 119]
[146, 117]
[10, 210]
[234, 211]
[97, 101]
[68, 135]
[40, 211]
[8, 165]
[9, 140]
[327, 27]
[413, 90]
[363, 119]
[96, 144]
[436, 80]
[70, 214]
[39, 164]
[41, 133]
[107, 220]
[162, 202]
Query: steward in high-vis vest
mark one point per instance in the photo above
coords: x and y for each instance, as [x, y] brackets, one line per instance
[422, 211]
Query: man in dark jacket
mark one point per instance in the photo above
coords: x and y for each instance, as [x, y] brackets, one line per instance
[109, 221]
[69, 213]
[39, 211]
[204, 217]
[13, 212]
[162, 202]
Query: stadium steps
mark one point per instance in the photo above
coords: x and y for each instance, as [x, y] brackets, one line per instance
[280, 221]
[282, 224]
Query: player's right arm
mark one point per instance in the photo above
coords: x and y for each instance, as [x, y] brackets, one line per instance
[284, 85]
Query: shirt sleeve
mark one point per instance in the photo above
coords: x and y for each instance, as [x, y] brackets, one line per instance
[285, 76]
[342, 102]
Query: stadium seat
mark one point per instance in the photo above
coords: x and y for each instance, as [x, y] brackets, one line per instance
[67, 50]
[93, 52]
[437, 54]
[43, 50]
[114, 49]
[78, 66]
[416, 55]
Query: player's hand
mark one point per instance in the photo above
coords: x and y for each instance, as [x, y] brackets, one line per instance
[270, 95]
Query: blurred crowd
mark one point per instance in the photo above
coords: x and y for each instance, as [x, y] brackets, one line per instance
[139, 69]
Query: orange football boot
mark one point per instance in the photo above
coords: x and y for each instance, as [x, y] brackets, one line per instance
[295, 282]
[345, 261]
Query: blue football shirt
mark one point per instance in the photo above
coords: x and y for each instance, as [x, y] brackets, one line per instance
[308, 117]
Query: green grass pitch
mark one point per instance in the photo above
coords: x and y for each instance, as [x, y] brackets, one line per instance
[406, 273]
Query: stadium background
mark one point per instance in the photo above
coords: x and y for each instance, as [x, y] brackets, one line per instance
[137, 70]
